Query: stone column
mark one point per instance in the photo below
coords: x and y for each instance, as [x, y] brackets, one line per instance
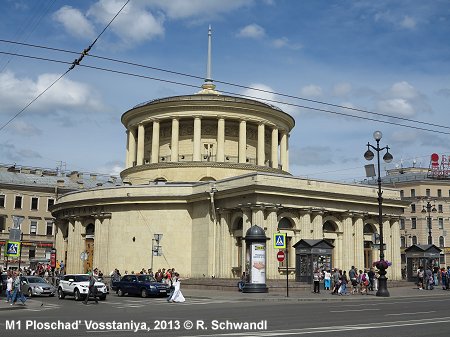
[338, 252]
[75, 248]
[197, 139]
[305, 224]
[261, 145]
[246, 223]
[155, 142]
[221, 139]
[225, 251]
[395, 250]
[347, 242]
[358, 242]
[388, 244]
[243, 142]
[131, 147]
[271, 259]
[71, 253]
[317, 225]
[283, 150]
[274, 149]
[287, 153]
[140, 144]
[175, 138]
[101, 244]
[60, 228]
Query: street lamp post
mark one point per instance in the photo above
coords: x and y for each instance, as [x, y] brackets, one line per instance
[369, 155]
[428, 209]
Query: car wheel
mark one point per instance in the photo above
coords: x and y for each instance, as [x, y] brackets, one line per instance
[144, 293]
[77, 295]
[61, 294]
[30, 292]
[120, 292]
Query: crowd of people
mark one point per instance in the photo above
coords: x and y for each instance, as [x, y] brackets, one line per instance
[339, 282]
[428, 278]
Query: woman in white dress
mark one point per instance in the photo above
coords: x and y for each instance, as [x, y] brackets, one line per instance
[177, 296]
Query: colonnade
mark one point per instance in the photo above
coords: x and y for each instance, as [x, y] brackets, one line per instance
[279, 143]
[348, 238]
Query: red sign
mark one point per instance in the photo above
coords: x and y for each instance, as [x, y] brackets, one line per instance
[53, 258]
[280, 256]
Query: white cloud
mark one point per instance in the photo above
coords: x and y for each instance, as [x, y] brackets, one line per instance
[252, 31]
[74, 22]
[112, 168]
[66, 94]
[311, 91]
[133, 24]
[283, 42]
[396, 106]
[25, 128]
[404, 90]
[342, 89]
[408, 22]
[257, 94]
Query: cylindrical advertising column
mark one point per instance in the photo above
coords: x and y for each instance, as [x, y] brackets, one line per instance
[255, 240]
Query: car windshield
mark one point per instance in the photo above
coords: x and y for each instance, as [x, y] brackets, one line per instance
[81, 278]
[146, 278]
[36, 280]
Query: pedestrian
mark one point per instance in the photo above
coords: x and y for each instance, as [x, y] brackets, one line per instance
[444, 279]
[420, 276]
[352, 274]
[241, 283]
[344, 281]
[177, 296]
[327, 279]
[92, 289]
[17, 293]
[317, 276]
[371, 275]
[364, 282]
[9, 286]
[336, 283]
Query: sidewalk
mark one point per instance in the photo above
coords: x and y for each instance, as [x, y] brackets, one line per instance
[33, 303]
[307, 295]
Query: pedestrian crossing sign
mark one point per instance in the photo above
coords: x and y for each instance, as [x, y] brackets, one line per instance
[279, 240]
[13, 249]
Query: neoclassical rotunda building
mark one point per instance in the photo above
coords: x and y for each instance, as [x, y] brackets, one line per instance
[200, 170]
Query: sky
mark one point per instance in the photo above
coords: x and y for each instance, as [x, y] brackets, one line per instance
[389, 59]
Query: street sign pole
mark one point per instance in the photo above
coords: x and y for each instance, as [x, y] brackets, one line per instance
[20, 252]
[287, 274]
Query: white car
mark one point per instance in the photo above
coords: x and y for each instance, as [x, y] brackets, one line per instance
[77, 285]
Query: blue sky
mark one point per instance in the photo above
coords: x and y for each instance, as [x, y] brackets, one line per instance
[388, 57]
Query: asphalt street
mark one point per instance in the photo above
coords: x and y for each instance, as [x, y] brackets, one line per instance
[214, 313]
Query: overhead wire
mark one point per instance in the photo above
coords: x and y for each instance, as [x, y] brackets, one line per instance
[75, 63]
[238, 86]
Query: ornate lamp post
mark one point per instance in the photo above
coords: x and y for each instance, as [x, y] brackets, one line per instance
[369, 155]
[428, 209]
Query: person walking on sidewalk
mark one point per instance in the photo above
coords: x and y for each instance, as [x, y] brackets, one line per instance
[17, 294]
[9, 286]
[327, 279]
[336, 283]
[316, 278]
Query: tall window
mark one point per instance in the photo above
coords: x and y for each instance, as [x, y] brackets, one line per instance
[2, 223]
[413, 208]
[441, 223]
[49, 230]
[33, 227]
[402, 194]
[428, 192]
[18, 202]
[34, 203]
[414, 240]
[2, 200]
[50, 203]
[441, 242]
[439, 192]
[413, 193]
[440, 209]
[32, 253]
[402, 223]
[402, 241]
[413, 223]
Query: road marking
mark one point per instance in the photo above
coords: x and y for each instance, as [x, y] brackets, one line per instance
[411, 313]
[387, 303]
[350, 310]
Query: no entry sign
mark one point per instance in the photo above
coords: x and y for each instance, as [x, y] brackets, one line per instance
[280, 256]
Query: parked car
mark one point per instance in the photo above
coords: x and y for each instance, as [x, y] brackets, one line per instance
[77, 285]
[36, 286]
[143, 285]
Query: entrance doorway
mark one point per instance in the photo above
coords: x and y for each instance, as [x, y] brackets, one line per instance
[368, 258]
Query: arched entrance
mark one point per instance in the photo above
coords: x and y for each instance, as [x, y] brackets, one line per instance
[89, 247]
[369, 234]
[329, 230]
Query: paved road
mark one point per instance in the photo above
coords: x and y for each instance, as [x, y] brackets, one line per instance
[407, 313]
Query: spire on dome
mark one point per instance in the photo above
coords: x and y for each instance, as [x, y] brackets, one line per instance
[208, 87]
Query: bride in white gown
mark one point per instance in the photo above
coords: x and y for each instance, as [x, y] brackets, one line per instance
[177, 296]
